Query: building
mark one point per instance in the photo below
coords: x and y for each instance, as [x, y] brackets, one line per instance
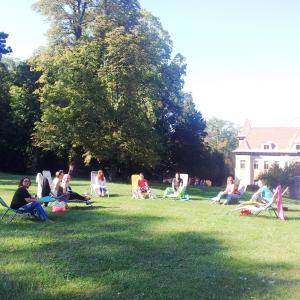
[261, 147]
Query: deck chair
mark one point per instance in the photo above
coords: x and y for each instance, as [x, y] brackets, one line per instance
[39, 181]
[182, 195]
[256, 207]
[93, 186]
[242, 188]
[14, 212]
[134, 193]
[234, 200]
[47, 174]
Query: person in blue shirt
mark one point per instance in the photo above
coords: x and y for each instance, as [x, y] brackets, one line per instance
[263, 194]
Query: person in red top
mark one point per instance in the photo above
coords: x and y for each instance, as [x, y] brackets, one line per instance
[142, 186]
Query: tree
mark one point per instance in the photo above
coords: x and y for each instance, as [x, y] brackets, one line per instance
[222, 137]
[113, 92]
[94, 100]
[3, 48]
[69, 18]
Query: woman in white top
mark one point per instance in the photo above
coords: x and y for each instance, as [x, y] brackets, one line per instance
[57, 189]
[100, 183]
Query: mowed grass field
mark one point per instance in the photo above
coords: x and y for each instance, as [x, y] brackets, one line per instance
[124, 248]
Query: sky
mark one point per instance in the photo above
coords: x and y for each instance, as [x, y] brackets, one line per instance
[243, 57]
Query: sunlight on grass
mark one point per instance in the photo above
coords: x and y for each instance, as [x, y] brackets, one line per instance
[124, 248]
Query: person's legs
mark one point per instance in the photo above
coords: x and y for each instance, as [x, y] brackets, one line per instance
[76, 196]
[35, 208]
[231, 199]
[218, 197]
[168, 191]
[102, 191]
[139, 192]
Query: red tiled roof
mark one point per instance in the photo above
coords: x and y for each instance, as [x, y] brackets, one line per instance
[283, 137]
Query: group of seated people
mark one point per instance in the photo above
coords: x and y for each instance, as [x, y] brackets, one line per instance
[231, 194]
[142, 187]
[61, 190]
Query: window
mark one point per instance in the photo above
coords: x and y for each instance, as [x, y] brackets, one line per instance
[298, 147]
[266, 147]
[242, 164]
[266, 165]
[255, 164]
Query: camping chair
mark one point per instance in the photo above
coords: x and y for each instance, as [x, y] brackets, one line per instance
[242, 188]
[39, 181]
[256, 207]
[134, 181]
[93, 186]
[182, 195]
[47, 174]
[14, 211]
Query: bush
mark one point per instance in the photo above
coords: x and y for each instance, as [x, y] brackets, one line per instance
[284, 176]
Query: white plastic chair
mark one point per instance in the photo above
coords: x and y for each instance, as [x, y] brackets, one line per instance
[39, 181]
[93, 186]
[47, 174]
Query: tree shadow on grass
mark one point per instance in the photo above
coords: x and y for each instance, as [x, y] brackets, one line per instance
[117, 256]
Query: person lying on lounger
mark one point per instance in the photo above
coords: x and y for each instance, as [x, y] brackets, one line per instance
[66, 189]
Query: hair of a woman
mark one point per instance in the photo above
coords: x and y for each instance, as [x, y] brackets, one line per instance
[22, 179]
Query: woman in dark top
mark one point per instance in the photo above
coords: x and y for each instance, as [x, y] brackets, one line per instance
[23, 201]
[177, 184]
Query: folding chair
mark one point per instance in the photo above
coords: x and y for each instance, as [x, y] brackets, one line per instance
[134, 181]
[93, 185]
[182, 195]
[242, 188]
[256, 208]
[47, 174]
[15, 212]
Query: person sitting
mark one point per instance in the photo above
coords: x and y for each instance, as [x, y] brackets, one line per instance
[177, 184]
[56, 188]
[65, 189]
[142, 188]
[100, 183]
[263, 194]
[22, 200]
[231, 193]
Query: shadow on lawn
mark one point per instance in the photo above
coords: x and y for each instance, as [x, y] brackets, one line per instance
[117, 256]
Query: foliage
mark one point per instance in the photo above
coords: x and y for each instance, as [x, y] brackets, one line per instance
[116, 96]
[277, 175]
[222, 137]
[106, 91]
[3, 48]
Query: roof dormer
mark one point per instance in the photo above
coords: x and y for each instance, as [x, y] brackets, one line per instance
[267, 146]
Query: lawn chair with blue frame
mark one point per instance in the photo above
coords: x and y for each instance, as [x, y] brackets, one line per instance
[14, 212]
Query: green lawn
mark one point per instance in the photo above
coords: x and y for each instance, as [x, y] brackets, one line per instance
[149, 249]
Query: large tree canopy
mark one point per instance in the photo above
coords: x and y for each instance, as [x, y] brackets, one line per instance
[106, 88]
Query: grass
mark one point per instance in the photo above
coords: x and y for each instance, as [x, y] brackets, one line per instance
[149, 249]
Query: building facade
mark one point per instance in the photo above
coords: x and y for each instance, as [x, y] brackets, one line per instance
[261, 147]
